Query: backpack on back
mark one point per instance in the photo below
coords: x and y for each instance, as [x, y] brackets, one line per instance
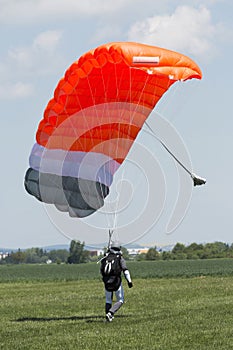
[111, 264]
[111, 271]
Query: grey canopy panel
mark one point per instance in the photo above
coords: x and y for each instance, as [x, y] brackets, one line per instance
[77, 196]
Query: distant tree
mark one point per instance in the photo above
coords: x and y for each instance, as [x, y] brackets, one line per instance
[166, 255]
[216, 249]
[178, 252]
[141, 257]
[77, 253]
[194, 251]
[178, 248]
[58, 255]
[125, 253]
[230, 251]
[152, 254]
[18, 257]
[194, 247]
[85, 256]
[35, 256]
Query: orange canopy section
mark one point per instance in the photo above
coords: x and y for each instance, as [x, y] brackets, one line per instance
[106, 89]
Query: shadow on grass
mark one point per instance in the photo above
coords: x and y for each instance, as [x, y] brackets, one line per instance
[91, 318]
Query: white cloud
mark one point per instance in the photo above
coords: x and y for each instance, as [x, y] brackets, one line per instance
[188, 30]
[35, 58]
[47, 41]
[21, 11]
[41, 58]
[16, 90]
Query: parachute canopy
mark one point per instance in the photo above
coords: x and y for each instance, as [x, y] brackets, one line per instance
[90, 124]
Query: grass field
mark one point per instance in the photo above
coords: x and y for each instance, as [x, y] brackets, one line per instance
[62, 307]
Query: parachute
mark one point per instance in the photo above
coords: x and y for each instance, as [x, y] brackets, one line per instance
[96, 113]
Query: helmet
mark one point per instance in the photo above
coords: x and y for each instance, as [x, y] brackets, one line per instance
[115, 245]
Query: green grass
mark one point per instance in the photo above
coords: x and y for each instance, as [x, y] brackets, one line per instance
[142, 269]
[159, 313]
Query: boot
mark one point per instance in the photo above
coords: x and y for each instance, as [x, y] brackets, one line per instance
[107, 307]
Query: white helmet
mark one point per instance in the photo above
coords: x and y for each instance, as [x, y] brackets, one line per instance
[116, 245]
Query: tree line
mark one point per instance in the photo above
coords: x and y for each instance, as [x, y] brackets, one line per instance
[192, 251]
[77, 254]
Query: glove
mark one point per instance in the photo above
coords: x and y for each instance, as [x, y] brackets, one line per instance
[130, 284]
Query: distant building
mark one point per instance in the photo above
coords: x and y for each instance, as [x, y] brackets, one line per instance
[96, 252]
[136, 251]
[4, 255]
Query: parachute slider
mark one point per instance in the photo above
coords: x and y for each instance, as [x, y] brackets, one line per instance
[197, 180]
[146, 59]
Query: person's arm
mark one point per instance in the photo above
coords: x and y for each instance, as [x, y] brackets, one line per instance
[128, 278]
[126, 272]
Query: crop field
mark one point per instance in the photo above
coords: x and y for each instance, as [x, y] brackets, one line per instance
[173, 305]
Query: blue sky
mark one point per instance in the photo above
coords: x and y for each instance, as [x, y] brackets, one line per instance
[40, 39]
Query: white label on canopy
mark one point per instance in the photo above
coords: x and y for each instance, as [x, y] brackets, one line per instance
[146, 59]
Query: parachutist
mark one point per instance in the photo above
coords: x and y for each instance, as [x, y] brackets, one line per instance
[111, 267]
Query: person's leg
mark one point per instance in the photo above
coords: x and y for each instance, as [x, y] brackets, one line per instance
[120, 300]
[108, 304]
